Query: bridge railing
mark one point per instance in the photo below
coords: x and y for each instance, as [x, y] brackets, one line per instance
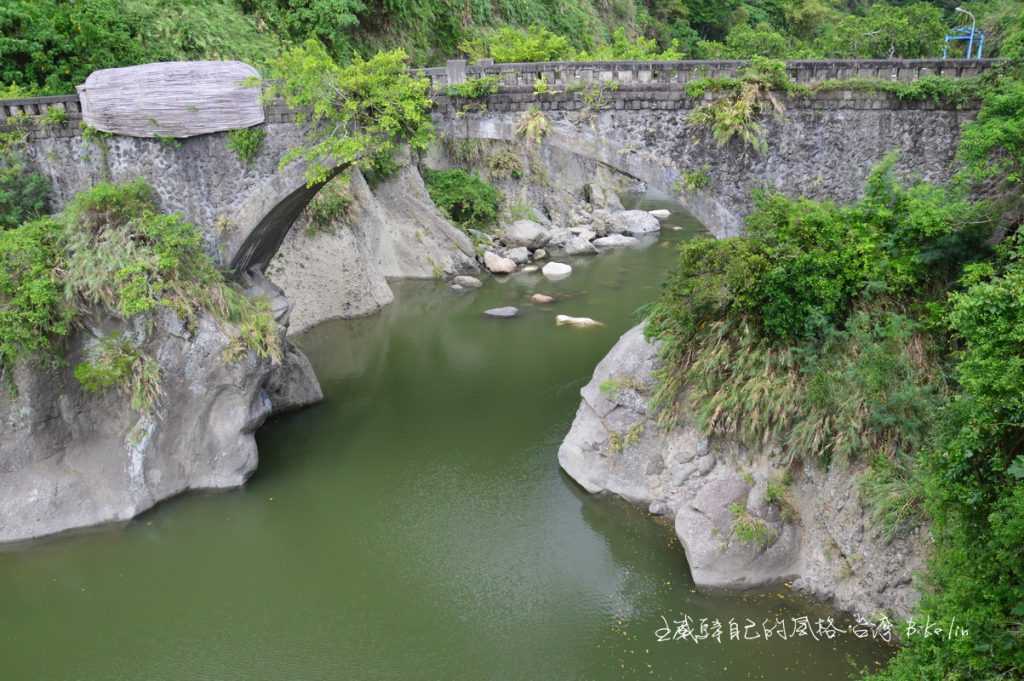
[38, 106]
[515, 76]
[631, 74]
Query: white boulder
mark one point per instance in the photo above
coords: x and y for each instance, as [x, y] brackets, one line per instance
[582, 322]
[556, 270]
[634, 222]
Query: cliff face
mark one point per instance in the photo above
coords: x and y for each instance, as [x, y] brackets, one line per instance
[392, 230]
[69, 458]
[743, 520]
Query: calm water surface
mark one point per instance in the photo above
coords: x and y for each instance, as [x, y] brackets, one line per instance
[414, 526]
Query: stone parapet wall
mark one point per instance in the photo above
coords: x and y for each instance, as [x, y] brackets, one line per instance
[561, 74]
[637, 98]
[639, 85]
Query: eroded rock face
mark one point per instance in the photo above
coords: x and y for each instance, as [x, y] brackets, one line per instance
[70, 459]
[734, 532]
[391, 230]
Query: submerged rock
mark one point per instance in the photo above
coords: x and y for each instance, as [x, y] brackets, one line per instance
[580, 245]
[541, 299]
[660, 213]
[556, 270]
[497, 264]
[583, 322]
[502, 312]
[616, 241]
[525, 233]
[466, 281]
[530, 269]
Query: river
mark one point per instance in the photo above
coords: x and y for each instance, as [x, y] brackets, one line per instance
[413, 526]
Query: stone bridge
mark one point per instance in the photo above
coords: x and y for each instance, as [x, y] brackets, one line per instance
[630, 116]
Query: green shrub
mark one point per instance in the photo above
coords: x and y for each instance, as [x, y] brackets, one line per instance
[750, 529]
[111, 250]
[695, 180]
[116, 362]
[34, 313]
[505, 163]
[509, 44]
[532, 125]
[329, 207]
[973, 488]
[475, 88]
[358, 113]
[24, 193]
[55, 116]
[466, 199]
[795, 334]
[905, 32]
[634, 48]
[246, 143]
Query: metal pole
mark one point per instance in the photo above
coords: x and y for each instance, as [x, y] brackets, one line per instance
[974, 22]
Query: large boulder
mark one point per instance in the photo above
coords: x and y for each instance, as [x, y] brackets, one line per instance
[634, 223]
[525, 233]
[734, 533]
[728, 545]
[497, 264]
[71, 458]
[556, 270]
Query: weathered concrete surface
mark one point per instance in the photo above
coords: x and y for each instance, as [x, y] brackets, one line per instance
[821, 147]
[391, 231]
[70, 459]
[199, 177]
[820, 536]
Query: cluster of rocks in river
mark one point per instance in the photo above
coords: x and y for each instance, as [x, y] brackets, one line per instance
[744, 516]
[592, 230]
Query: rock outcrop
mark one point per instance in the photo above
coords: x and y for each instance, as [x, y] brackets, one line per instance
[392, 230]
[743, 517]
[71, 458]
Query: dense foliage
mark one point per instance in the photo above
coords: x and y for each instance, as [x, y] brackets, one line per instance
[49, 46]
[357, 113]
[803, 331]
[111, 250]
[885, 331]
[469, 201]
[24, 192]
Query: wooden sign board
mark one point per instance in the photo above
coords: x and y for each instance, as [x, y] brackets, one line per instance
[172, 99]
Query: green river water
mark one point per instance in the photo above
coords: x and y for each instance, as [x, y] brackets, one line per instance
[413, 526]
